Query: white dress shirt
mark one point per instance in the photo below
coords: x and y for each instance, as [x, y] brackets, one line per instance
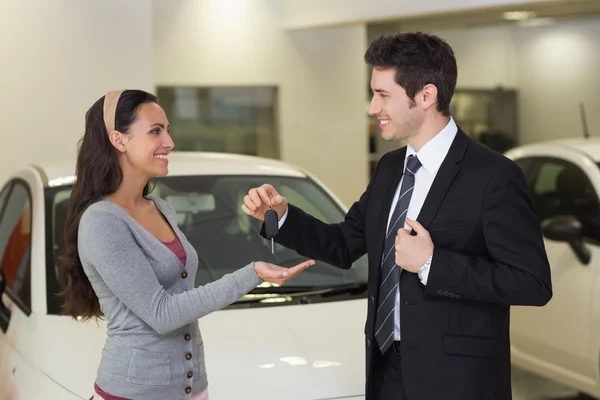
[431, 156]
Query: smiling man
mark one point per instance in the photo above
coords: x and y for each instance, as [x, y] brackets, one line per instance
[450, 233]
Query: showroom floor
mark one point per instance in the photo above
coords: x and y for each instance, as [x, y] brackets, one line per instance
[527, 386]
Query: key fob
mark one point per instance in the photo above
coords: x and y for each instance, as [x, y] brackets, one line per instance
[271, 224]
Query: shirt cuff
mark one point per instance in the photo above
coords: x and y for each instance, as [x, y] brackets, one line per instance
[282, 220]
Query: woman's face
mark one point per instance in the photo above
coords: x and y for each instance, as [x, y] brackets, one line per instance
[146, 147]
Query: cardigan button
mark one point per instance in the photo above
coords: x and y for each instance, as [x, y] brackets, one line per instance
[188, 356]
[187, 337]
[188, 390]
[190, 374]
[184, 274]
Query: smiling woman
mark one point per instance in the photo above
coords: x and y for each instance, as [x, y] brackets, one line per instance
[125, 258]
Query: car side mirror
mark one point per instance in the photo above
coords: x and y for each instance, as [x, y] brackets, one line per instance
[567, 228]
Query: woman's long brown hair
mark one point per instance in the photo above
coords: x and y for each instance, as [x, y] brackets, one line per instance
[97, 174]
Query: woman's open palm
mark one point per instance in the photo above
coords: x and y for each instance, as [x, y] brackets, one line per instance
[279, 275]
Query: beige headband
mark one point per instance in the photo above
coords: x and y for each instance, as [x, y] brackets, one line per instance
[111, 99]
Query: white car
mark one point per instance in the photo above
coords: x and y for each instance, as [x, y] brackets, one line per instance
[301, 341]
[561, 341]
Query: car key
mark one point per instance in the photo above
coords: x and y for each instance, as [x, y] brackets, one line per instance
[271, 226]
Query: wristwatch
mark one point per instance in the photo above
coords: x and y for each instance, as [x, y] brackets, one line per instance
[424, 267]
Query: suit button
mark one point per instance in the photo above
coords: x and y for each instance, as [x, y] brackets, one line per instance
[188, 390]
[188, 356]
[187, 337]
[458, 296]
[372, 299]
[452, 295]
[184, 274]
[446, 293]
[368, 342]
[440, 292]
[190, 374]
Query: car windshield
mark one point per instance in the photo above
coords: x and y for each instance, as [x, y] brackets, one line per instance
[209, 214]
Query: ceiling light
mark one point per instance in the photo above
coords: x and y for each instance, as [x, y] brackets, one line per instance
[325, 364]
[518, 15]
[294, 360]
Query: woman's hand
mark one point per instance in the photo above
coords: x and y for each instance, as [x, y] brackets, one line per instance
[279, 275]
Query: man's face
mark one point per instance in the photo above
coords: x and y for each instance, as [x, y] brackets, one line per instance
[399, 117]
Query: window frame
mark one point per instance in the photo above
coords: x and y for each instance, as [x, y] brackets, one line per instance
[10, 185]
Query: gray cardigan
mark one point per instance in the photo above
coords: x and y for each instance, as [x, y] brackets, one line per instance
[154, 349]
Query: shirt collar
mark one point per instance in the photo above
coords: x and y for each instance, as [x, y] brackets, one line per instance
[432, 154]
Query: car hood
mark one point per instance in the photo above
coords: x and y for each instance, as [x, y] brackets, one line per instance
[303, 352]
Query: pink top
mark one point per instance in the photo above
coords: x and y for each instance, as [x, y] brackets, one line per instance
[106, 396]
[177, 248]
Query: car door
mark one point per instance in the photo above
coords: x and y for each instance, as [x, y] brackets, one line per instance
[560, 334]
[15, 299]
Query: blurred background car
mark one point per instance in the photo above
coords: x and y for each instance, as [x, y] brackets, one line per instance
[561, 341]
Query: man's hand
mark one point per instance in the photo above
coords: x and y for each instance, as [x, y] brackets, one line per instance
[259, 200]
[413, 251]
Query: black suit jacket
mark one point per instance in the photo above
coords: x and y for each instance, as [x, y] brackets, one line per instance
[489, 255]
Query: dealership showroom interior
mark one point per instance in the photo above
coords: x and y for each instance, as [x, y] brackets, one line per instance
[204, 199]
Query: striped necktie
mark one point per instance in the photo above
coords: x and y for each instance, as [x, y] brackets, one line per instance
[390, 272]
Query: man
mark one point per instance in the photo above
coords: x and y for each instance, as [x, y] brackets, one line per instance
[450, 234]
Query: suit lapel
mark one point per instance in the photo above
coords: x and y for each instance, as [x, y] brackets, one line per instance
[443, 179]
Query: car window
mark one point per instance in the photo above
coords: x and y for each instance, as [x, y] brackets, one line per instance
[15, 244]
[547, 178]
[226, 238]
[559, 187]
[525, 164]
[209, 214]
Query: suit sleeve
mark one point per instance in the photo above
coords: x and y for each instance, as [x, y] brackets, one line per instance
[339, 244]
[517, 271]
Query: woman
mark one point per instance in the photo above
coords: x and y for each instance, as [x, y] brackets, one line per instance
[125, 258]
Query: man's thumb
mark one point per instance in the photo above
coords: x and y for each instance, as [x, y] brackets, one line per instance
[416, 226]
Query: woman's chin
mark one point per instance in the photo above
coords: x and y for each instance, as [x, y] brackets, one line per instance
[163, 172]
[156, 172]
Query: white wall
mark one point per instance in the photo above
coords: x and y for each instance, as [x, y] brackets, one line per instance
[553, 67]
[58, 57]
[312, 13]
[321, 77]
[558, 68]
[484, 63]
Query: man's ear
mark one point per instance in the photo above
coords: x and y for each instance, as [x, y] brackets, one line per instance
[116, 139]
[428, 96]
